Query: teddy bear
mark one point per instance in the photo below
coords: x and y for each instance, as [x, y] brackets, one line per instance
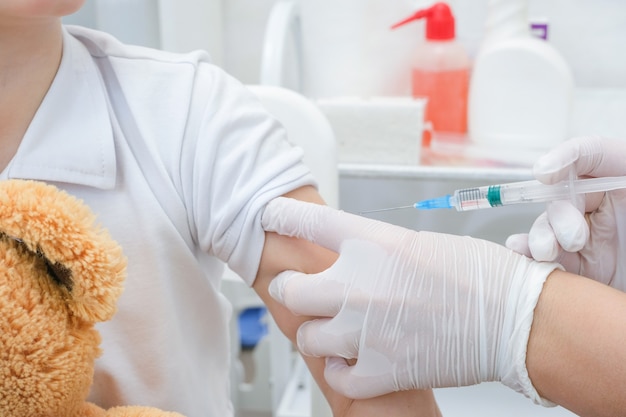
[60, 274]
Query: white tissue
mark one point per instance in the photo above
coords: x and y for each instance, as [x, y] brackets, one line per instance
[384, 130]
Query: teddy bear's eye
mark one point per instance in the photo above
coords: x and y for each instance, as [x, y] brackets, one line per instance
[61, 274]
[58, 272]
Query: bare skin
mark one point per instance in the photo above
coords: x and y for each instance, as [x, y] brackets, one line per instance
[30, 54]
[576, 356]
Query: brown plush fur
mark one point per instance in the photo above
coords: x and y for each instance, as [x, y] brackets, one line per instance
[59, 274]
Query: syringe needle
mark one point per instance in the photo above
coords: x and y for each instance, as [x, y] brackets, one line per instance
[386, 209]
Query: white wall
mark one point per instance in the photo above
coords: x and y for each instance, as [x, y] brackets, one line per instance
[175, 25]
[591, 34]
[133, 21]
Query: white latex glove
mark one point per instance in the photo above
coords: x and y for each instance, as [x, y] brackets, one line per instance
[591, 245]
[418, 309]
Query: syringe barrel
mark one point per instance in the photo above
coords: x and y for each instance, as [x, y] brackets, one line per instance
[472, 198]
[530, 192]
[534, 192]
[505, 194]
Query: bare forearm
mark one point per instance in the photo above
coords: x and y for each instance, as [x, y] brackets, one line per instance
[576, 355]
[281, 253]
[404, 403]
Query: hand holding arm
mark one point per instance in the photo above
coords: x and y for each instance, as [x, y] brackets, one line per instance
[417, 309]
[283, 252]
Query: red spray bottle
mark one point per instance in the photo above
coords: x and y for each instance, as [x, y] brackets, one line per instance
[441, 72]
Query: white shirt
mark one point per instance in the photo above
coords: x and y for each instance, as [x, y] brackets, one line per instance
[212, 157]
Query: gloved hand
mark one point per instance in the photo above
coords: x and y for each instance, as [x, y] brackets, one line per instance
[591, 245]
[418, 309]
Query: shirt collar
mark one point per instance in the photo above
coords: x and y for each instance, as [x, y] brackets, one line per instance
[70, 139]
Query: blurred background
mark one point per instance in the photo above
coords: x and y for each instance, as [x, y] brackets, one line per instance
[347, 48]
[589, 34]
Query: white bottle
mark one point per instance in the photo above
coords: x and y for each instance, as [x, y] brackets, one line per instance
[521, 88]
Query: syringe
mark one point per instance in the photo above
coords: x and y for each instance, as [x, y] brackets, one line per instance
[515, 193]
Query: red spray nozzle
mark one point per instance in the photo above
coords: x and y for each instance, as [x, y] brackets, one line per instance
[439, 21]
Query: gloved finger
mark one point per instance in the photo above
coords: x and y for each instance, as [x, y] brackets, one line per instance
[325, 337]
[325, 293]
[571, 261]
[320, 224]
[568, 224]
[307, 294]
[519, 243]
[340, 376]
[588, 156]
[561, 227]
[607, 227]
[542, 242]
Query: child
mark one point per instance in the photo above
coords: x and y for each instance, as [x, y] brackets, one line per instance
[179, 161]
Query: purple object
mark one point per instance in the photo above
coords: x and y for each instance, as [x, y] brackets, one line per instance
[539, 30]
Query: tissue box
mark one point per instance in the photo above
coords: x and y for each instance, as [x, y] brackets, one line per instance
[384, 130]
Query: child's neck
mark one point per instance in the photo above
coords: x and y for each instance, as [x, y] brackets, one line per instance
[28, 63]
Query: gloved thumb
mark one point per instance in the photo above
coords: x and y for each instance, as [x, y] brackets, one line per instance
[587, 156]
[320, 224]
[558, 164]
[310, 295]
[290, 217]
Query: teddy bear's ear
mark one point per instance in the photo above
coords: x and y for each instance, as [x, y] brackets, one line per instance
[80, 256]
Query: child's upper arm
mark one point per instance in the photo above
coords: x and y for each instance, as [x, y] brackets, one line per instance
[281, 253]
